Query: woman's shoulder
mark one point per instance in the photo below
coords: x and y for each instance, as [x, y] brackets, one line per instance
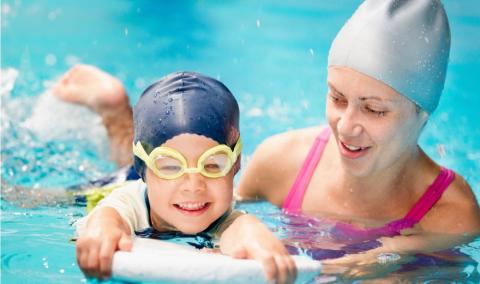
[274, 165]
[458, 207]
[460, 194]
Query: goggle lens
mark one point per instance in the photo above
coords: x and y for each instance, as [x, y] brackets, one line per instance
[168, 166]
[168, 163]
[216, 163]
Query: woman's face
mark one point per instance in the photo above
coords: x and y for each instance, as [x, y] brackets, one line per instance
[375, 127]
[191, 202]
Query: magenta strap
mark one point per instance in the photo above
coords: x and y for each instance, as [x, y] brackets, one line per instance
[423, 205]
[431, 196]
[293, 202]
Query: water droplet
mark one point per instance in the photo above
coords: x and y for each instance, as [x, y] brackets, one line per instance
[387, 257]
[51, 59]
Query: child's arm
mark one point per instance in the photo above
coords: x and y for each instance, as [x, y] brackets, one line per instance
[108, 228]
[247, 237]
[105, 232]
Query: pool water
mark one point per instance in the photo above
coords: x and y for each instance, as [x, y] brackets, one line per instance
[271, 54]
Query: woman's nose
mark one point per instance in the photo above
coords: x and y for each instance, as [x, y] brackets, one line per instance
[348, 123]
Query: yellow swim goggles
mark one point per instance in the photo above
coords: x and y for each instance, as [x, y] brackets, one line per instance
[168, 163]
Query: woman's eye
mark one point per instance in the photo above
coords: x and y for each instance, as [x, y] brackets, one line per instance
[337, 100]
[378, 113]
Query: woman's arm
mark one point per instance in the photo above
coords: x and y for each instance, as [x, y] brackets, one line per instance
[453, 221]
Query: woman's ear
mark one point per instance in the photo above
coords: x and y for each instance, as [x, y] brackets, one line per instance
[423, 116]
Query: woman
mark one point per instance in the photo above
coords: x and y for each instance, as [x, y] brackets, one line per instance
[386, 72]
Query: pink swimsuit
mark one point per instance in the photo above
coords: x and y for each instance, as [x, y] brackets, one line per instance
[293, 202]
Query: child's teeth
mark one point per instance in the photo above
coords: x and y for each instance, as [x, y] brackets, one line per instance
[192, 206]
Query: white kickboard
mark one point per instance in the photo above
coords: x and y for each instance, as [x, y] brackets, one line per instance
[155, 260]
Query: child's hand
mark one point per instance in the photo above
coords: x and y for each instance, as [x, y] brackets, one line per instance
[247, 237]
[103, 235]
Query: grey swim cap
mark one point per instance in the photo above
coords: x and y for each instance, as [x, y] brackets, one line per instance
[403, 43]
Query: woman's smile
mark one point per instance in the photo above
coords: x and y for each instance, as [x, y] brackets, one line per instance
[352, 151]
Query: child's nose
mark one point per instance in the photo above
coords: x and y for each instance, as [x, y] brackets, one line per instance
[193, 182]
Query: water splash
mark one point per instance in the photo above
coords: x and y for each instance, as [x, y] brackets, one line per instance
[48, 142]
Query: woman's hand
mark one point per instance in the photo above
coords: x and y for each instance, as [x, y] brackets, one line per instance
[248, 238]
[104, 234]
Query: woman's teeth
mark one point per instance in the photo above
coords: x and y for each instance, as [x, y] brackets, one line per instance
[353, 148]
[192, 205]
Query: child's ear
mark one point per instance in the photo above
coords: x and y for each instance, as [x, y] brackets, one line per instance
[237, 165]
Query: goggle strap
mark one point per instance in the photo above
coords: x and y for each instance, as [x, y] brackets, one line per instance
[140, 152]
[237, 150]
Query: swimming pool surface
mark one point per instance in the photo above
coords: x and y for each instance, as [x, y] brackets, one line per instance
[271, 54]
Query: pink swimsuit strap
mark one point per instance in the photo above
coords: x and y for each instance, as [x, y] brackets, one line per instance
[426, 201]
[416, 213]
[293, 202]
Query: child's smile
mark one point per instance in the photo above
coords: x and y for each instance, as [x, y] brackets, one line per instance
[192, 201]
[192, 208]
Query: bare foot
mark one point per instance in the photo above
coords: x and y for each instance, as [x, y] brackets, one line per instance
[89, 86]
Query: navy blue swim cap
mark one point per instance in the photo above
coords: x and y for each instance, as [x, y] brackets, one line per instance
[184, 102]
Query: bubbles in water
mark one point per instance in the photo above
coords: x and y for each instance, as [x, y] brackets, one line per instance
[8, 78]
[52, 15]
[140, 83]
[50, 59]
[387, 257]
[254, 112]
[71, 60]
[5, 8]
[441, 150]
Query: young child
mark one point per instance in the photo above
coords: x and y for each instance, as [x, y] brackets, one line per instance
[187, 150]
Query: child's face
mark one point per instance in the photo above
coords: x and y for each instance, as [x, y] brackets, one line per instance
[191, 202]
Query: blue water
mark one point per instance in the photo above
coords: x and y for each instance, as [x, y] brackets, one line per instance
[271, 54]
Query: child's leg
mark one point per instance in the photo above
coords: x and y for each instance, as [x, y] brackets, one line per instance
[105, 94]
